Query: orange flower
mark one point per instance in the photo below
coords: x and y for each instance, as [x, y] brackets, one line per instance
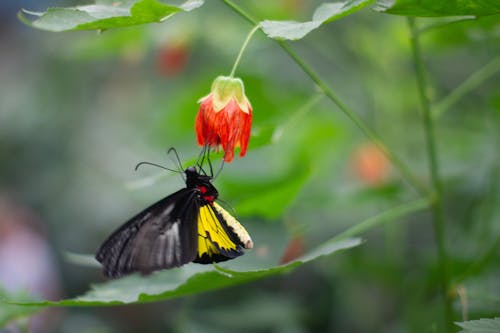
[370, 164]
[225, 117]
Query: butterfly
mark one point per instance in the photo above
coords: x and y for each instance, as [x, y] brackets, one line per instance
[186, 226]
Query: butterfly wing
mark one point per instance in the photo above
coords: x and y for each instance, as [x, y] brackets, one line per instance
[220, 236]
[162, 236]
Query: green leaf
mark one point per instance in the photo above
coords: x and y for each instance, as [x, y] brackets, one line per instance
[483, 325]
[190, 279]
[9, 312]
[267, 198]
[436, 8]
[105, 14]
[325, 13]
[270, 200]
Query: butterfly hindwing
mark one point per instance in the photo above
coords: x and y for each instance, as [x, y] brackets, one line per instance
[162, 236]
[220, 236]
[237, 229]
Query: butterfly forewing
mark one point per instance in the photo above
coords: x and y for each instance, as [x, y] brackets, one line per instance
[162, 236]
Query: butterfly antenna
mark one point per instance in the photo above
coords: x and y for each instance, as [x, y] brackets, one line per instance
[220, 169]
[201, 159]
[178, 160]
[210, 164]
[200, 155]
[156, 165]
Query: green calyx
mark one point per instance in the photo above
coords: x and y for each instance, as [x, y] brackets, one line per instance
[224, 88]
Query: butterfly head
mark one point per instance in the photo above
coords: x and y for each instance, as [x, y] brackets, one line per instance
[201, 183]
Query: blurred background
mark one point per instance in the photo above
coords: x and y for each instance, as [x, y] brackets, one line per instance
[79, 110]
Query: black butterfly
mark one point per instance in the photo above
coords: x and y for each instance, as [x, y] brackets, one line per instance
[187, 226]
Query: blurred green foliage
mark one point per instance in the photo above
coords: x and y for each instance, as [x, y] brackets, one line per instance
[481, 325]
[10, 313]
[79, 110]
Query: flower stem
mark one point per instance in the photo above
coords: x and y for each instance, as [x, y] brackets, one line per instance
[385, 217]
[243, 47]
[437, 206]
[476, 78]
[403, 169]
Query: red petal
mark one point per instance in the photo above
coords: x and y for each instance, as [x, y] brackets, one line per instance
[246, 128]
[229, 128]
[199, 128]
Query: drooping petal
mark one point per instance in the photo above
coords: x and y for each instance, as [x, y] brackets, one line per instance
[225, 118]
[246, 129]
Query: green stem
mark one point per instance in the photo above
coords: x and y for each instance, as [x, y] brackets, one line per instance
[476, 78]
[403, 169]
[385, 217]
[243, 47]
[437, 207]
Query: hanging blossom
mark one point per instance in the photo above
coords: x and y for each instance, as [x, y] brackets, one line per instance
[225, 117]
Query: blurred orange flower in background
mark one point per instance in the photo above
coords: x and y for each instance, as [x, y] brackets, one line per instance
[225, 117]
[369, 164]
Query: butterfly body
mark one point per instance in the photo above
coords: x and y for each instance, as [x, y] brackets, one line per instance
[186, 226]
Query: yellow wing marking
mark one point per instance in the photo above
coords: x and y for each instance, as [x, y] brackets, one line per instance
[211, 233]
[235, 226]
[206, 246]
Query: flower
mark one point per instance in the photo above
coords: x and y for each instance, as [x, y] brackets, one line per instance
[225, 117]
[172, 58]
[370, 164]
